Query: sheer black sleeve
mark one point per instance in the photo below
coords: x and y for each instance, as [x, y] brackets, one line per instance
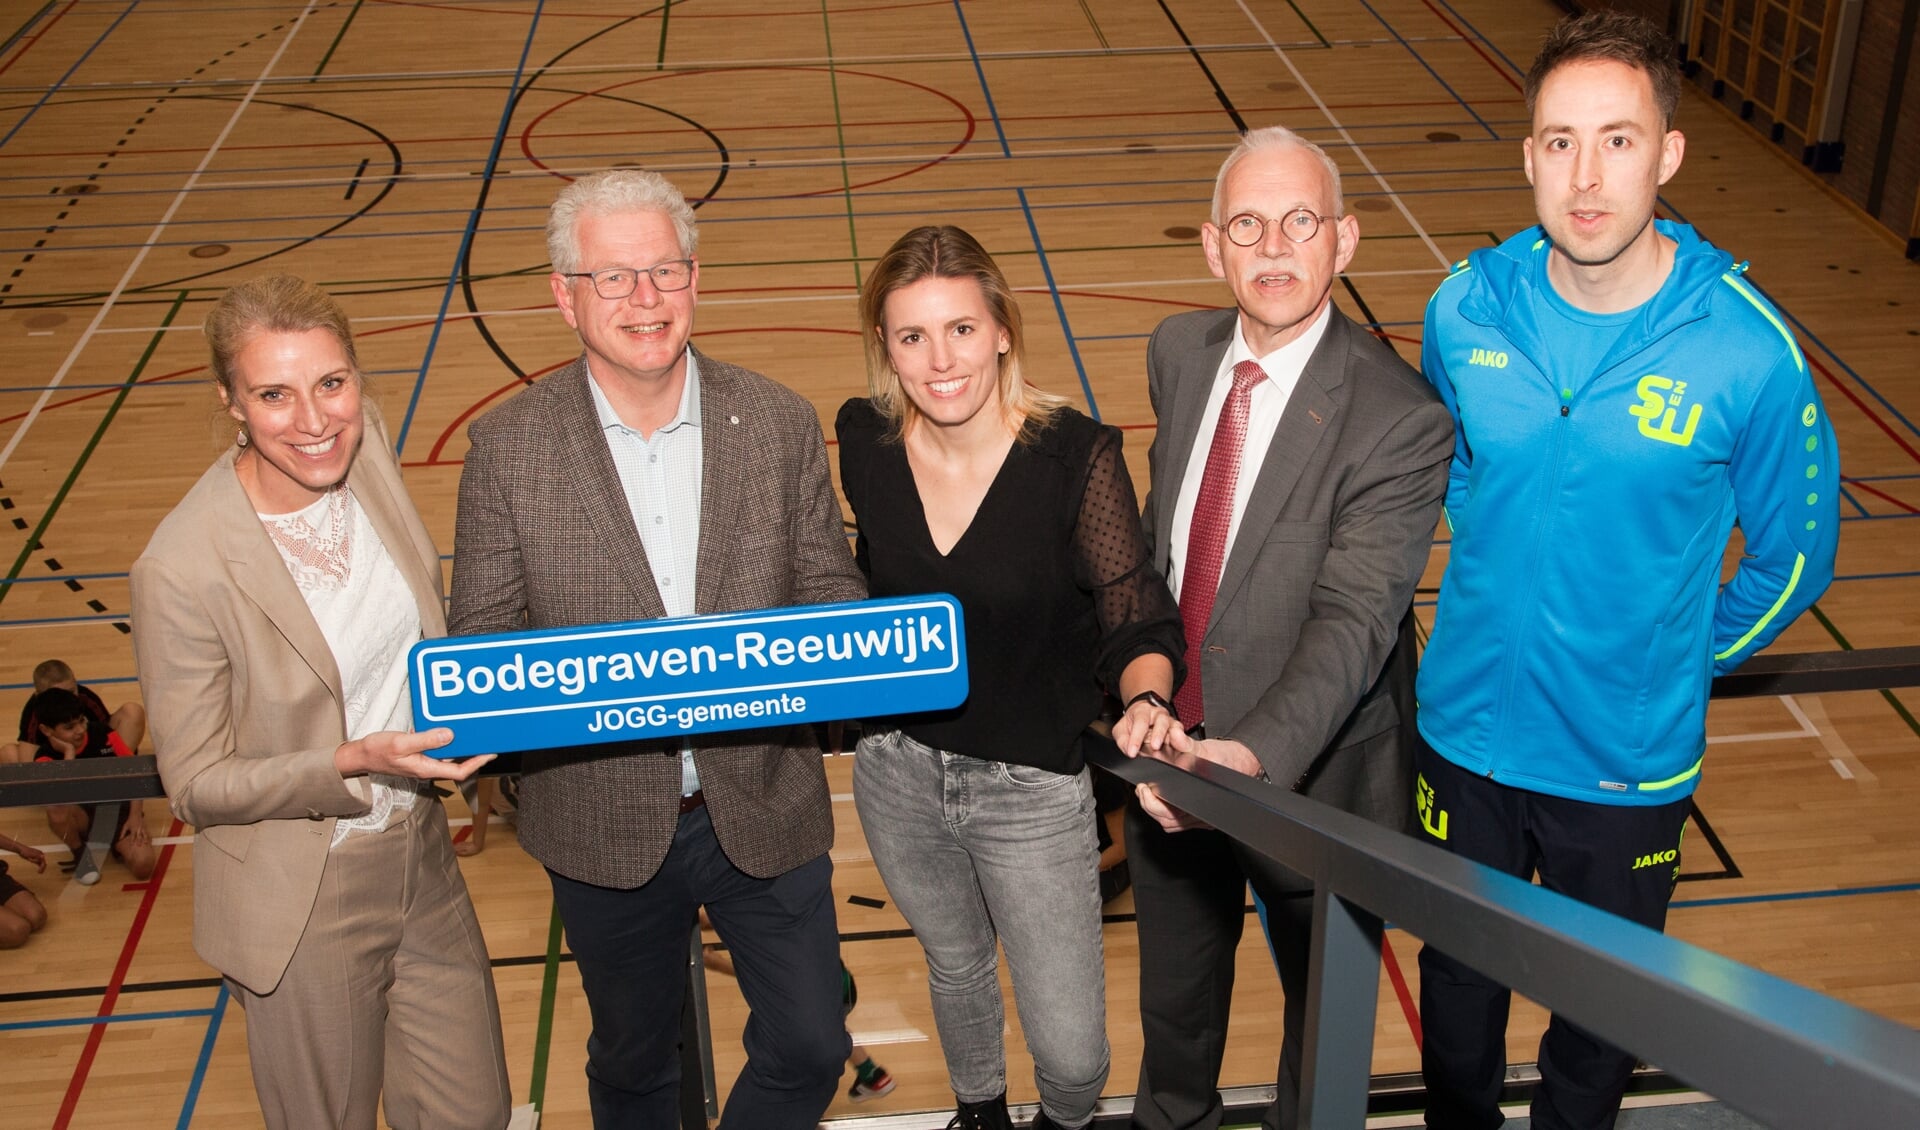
[1135, 610]
[856, 430]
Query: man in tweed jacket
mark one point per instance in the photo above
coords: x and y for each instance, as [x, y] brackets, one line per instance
[643, 480]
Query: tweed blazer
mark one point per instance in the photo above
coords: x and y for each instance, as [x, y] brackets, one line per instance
[245, 705]
[545, 538]
[1309, 651]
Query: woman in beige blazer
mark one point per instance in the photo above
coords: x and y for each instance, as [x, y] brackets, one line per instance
[272, 615]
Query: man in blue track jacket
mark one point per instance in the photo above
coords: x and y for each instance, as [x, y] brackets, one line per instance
[1621, 395]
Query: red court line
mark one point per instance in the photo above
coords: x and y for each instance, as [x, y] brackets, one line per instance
[1503, 72]
[1399, 980]
[433, 455]
[35, 37]
[529, 134]
[1880, 494]
[97, 1032]
[1898, 440]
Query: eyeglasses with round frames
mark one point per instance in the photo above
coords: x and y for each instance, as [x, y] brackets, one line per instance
[1300, 225]
[620, 282]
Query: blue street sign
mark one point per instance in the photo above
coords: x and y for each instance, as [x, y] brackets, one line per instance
[691, 675]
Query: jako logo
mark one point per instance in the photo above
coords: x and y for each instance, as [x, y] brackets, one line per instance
[1657, 858]
[1488, 357]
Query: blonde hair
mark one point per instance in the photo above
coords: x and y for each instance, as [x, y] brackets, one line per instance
[272, 304]
[948, 252]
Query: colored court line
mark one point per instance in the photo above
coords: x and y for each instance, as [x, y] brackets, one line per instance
[201, 1063]
[1059, 307]
[487, 171]
[980, 71]
[1892, 699]
[84, 1066]
[62, 80]
[20, 33]
[1472, 44]
[543, 1032]
[86, 453]
[1400, 991]
[840, 137]
[127, 1018]
[1798, 896]
[340, 35]
[1421, 59]
[179, 198]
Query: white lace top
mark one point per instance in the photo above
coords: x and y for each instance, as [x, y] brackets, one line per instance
[369, 618]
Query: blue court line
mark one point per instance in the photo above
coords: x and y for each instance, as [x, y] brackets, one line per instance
[219, 1012]
[88, 1021]
[62, 80]
[1848, 495]
[1795, 896]
[473, 225]
[1454, 94]
[1059, 307]
[90, 682]
[1481, 38]
[992, 112]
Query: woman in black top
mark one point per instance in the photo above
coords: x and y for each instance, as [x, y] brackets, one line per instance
[966, 479]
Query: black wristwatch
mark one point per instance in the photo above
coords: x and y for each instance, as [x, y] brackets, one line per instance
[1156, 699]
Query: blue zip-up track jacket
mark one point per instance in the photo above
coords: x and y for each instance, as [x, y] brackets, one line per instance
[1581, 617]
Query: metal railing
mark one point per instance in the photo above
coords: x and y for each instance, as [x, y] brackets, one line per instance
[1786, 1056]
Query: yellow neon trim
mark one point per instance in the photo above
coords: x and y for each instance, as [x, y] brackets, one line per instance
[1799, 561]
[1656, 786]
[1448, 515]
[1792, 345]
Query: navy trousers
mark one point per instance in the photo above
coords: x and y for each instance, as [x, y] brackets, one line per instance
[1620, 858]
[631, 949]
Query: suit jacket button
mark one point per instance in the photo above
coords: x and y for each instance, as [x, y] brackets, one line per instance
[314, 814]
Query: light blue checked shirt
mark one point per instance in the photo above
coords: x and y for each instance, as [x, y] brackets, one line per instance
[661, 479]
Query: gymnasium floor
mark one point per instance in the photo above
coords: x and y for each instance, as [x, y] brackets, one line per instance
[402, 154]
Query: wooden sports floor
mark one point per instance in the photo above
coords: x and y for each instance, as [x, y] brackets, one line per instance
[152, 152]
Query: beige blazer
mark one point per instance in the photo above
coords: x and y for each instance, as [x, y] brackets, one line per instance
[245, 706]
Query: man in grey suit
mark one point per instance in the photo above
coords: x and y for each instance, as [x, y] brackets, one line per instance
[643, 480]
[1297, 476]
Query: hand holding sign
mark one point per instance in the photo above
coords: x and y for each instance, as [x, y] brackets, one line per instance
[695, 674]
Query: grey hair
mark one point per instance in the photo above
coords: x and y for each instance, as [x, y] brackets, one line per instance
[1264, 140]
[611, 193]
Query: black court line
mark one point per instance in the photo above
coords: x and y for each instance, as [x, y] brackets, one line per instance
[1728, 868]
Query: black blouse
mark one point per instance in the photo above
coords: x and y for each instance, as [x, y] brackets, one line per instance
[1053, 577]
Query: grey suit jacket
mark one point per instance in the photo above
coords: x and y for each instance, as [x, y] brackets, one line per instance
[246, 707]
[1309, 653]
[545, 538]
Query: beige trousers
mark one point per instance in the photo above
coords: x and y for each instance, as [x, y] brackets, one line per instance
[389, 989]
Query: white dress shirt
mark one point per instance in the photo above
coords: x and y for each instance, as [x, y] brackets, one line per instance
[1266, 405]
[661, 479]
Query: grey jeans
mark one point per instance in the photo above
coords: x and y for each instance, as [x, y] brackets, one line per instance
[970, 849]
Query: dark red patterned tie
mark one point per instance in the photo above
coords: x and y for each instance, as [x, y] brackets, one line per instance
[1207, 537]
